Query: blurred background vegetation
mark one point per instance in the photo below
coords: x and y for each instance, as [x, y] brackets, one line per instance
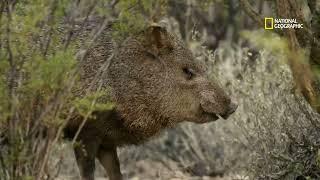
[273, 74]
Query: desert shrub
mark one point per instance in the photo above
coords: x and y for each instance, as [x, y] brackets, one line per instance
[38, 72]
[280, 129]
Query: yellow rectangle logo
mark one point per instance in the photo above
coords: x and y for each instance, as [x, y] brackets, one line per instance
[268, 23]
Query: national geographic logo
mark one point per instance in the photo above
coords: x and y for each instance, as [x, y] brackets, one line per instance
[277, 23]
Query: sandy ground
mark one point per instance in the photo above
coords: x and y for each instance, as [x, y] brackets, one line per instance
[150, 170]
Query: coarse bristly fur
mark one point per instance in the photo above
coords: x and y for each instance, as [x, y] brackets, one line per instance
[155, 83]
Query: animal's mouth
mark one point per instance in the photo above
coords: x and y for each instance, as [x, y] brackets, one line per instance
[216, 116]
[212, 115]
[208, 117]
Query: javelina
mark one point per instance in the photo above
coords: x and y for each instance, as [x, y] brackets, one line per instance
[155, 83]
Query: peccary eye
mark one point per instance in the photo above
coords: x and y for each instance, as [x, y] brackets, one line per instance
[189, 72]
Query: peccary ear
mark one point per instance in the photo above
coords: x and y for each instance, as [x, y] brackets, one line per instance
[157, 37]
[157, 33]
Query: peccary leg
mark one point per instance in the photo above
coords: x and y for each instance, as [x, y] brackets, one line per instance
[109, 160]
[85, 155]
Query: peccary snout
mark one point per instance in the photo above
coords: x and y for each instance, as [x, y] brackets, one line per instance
[217, 103]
